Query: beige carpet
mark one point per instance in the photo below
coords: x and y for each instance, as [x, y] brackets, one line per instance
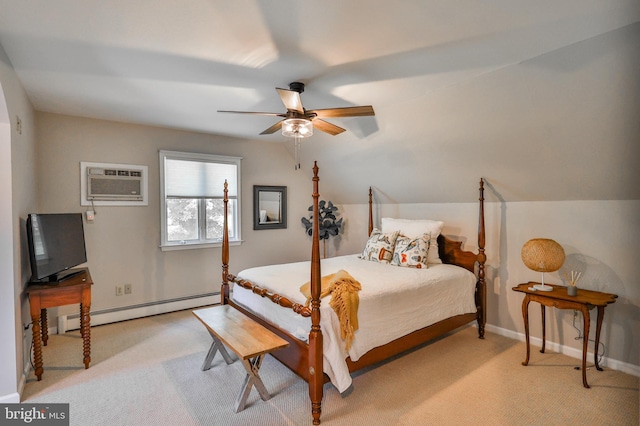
[147, 372]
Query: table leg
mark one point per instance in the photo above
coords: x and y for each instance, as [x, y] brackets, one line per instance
[544, 327]
[525, 316]
[215, 346]
[45, 326]
[598, 328]
[252, 379]
[85, 331]
[585, 345]
[81, 323]
[37, 344]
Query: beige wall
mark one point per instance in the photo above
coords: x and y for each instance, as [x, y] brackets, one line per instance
[123, 242]
[18, 191]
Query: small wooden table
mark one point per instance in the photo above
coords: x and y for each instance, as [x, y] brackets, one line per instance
[75, 289]
[246, 338]
[584, 301]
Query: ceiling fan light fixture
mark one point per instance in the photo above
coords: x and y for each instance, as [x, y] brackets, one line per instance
[297, 128]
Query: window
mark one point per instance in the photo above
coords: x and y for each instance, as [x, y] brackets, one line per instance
[192, 191]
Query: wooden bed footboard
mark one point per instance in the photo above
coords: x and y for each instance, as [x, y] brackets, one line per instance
[274, 297]
[306, 359]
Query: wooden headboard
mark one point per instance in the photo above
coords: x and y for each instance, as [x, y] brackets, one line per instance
[450, 251]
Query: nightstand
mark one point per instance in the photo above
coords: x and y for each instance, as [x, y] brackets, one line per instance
[558, 298]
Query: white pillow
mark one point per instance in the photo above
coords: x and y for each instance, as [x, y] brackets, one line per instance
[414, 228]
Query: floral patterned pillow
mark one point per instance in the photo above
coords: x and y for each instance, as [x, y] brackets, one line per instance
[380, 246]
[411, 252]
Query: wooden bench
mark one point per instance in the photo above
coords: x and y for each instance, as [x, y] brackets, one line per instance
[249, 340]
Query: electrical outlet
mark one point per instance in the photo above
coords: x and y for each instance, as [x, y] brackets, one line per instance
[119, 290]
[127, 289]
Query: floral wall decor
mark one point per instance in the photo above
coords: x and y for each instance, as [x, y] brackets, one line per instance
[328, 222]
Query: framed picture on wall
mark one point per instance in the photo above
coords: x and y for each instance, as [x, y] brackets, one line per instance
[269, 207]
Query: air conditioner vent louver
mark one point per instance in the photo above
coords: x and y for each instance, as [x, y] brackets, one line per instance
[114, 184]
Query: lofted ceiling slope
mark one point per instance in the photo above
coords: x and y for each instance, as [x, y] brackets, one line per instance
[541, 98]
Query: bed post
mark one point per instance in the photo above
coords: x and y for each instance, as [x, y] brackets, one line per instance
[224, 289]
[481, 290]
[370, 211]
[316, 371]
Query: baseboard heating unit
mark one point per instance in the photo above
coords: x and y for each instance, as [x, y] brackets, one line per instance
[108, 316]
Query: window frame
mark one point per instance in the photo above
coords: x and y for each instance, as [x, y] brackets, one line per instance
[202, 242]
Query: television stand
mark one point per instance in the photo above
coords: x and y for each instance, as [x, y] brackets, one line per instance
[42, 295]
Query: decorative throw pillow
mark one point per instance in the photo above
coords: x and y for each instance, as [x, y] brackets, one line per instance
[414, 228]
[379, 247]
[411, 252]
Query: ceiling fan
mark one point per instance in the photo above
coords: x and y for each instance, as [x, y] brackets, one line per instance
[297, 118]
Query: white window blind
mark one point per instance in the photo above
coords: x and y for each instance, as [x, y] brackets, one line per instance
[192, 188]
[199, 179]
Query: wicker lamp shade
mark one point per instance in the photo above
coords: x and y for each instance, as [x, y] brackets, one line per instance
[542, 255]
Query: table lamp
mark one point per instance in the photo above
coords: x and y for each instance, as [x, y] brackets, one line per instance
[542, 255]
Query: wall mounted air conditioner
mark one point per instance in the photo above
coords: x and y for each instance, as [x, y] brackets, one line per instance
[104, 184]
[108, 184]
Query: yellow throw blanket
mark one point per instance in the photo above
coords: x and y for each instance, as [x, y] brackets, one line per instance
[344, 300]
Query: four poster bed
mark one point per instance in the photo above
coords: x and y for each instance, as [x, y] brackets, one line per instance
[399, 308]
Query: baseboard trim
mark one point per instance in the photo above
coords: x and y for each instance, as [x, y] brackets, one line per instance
[614, 364]
[12, 398]
[108, 316]
[25, 374]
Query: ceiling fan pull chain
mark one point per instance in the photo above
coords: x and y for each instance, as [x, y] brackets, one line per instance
[296, 150]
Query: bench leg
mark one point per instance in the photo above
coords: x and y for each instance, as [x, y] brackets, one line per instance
[253, 379]
[215, 346]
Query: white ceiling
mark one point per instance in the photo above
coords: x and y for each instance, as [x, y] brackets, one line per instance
[174, 63]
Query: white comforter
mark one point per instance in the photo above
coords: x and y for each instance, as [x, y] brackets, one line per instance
[394, 301]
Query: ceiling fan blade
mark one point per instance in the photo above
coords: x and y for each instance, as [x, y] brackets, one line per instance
[273, 114]
[273, 128]
[327, 127]
[356, 111]
[291, 100]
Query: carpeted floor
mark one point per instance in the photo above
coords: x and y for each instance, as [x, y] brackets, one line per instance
[147, 372]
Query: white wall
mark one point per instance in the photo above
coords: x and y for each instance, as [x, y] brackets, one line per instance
[600, 239]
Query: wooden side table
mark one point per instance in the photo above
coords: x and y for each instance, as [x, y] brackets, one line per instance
[584, 301]
[76, 289]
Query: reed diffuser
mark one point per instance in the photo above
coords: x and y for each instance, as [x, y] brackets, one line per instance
[572, 289]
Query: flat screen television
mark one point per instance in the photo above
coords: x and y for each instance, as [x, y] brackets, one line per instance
[56, 244]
